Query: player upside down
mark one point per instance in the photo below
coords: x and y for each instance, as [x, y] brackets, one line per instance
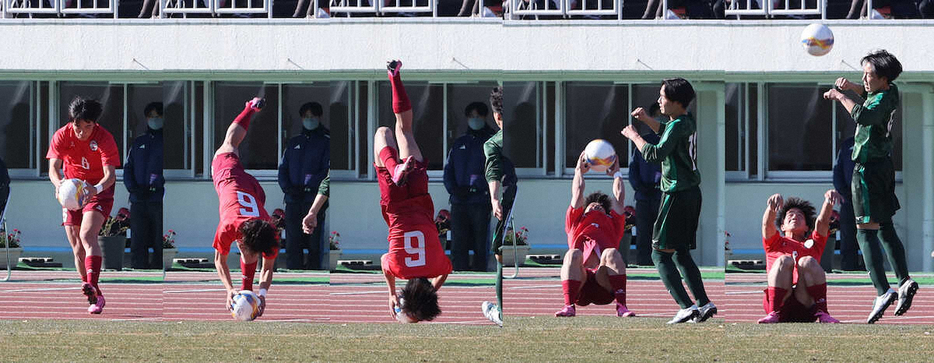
[594, 271]
[415, 252]
[797, 290]
[243, 217]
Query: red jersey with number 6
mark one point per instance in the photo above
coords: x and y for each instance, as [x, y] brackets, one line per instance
[414, 247]
[241, 199]
[86, 159]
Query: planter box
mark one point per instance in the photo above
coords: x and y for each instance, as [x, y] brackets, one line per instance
[113, 248]
[511, 254]
[333, 256]
[168, 255]
[14, 256]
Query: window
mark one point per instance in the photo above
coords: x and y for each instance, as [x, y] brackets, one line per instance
[18, 125]
[741, 140]
[259, 150]
[596, 111]
[339, 105]
[175, 100]
[524, 139]
[800, 131]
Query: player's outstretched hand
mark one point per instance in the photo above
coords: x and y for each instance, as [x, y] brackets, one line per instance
[393, 304]
[832, 197]
[230, 295]
[582, 164]
[776, 202]
[639, 114]
[630, 132]
[262, 306]
[309, 223]
[613, 168]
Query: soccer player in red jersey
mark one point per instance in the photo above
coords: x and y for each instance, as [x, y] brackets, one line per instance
[85, 151]
[415, 252]
[797, 289]
[243, 217]
[594, 271]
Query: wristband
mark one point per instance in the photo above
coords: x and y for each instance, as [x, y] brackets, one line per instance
[262, 292]
[99, 188]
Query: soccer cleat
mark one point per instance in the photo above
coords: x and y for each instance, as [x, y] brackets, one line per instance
[90, 292]
[623, 312]
[705, 312]
[684, 315]
[567, 312]
[824, 318]
[256, 103]
[393, 67]
[772, 318]
[98, 307]
[403, 169]
[491, 311]
[906, 293]
[881, 303]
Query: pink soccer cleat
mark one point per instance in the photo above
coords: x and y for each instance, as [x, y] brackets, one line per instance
[256, 103]
[567, 312]
[824, 318]
[98, 307]
[393, 67]
[772, 318]
[403, 169]
[623, 312]
[90, 292]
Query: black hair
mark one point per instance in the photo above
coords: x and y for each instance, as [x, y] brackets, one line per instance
[884, 64]
[259, 236]
[598, 197]
[314, 107]
[496, 100]
[153, 106]
[480, 107]
[85, 109]
[678, 90]
[420, 300]
[804, 206]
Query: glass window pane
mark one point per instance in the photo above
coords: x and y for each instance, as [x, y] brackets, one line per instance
[361, 130]
[199, 129]
[427, 117]
[799, 128]
[17, 136]
[176, 137]
[295, 96]
[735, 122]
[753, 99]
[461, 95]
[596, 111]
[258, 150]
[523, 140]
[110, 96]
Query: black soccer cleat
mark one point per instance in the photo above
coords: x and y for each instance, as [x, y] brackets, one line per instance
[394, 66]
[906, 293]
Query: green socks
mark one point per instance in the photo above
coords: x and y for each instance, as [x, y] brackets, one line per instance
[868, 240]
[692, 275]
[671, 278]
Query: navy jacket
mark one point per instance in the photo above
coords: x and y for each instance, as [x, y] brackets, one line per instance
[843, 170]
[464, 170]
[645, 176]
[142, 172]
[4, 175]
[305, 163]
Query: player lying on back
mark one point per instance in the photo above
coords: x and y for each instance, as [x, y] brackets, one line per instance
[594, 271]
[415, 252]
[243, 217]
[797, 291]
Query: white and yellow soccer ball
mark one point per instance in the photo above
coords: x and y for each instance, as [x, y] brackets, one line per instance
[72, 194]
[245, 306]
[600, 154]
[817, 39]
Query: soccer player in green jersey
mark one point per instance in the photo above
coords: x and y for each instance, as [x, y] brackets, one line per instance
[873, 185]
[674, 234]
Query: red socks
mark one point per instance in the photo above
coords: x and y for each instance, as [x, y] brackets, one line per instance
[389, 159]
[571, 289]
[93, 266]
[619, 288]
[819, 294]
[776, 297]
[400, 100]
[243, 119]
[248, 270]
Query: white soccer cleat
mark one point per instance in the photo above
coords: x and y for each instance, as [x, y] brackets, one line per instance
[906, 293]
[491, 311]
[881, 303]
[684, 315]
[705, 312]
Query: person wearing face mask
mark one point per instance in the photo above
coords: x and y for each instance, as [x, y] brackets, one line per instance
[305, 163]
[470, 197]
[143, 178]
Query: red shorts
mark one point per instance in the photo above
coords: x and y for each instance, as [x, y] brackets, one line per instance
[416, 253]
[592, 293]
[793, 311]
[102, 203]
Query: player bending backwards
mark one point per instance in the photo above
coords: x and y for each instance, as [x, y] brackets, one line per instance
[243, 217]
[415, 252]
[594, 271]
[873, 186]
[674, 234]
[84, 150]
[797, 291]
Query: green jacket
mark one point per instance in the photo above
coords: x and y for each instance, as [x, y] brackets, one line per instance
[874, 121]
[677, 152]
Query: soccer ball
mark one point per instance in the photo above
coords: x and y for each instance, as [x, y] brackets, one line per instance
[817, 39]
[400, 316]
[71, 194]
[245, 306]
[600, 154]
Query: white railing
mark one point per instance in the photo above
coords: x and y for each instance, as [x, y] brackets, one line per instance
[353, 6]
[184, 7]
[96, 7]
[412, 6]
[818, 9]
[523, 8]
[237, 7]
[58, 7]
[384, 6]
[745, 7]
[593, 8]
[771, 8]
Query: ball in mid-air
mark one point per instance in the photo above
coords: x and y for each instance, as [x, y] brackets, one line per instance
[817, 39]
[600, 154]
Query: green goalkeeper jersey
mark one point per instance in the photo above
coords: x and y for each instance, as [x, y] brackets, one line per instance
[874, 121]
[677, 152]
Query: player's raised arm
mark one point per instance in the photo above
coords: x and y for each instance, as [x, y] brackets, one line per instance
[619, 188]
[438, 281]
[55, 173]
[831, 198]
[391, 284]
[238, 128]
[577, 186]
[768, 218]
[640, 114]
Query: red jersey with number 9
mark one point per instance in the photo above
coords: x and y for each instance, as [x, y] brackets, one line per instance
[241, 199]
[86, 159]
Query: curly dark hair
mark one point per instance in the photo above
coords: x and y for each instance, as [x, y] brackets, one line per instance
[601, 198]
[884, 64]
[259, 236]
[85, 109]
[804, 206]
[420, 300]
[496, 100]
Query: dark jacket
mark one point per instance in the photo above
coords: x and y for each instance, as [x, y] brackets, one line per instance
[4, 175]
[305, 163]
[843, 170]
[644, 176]
[142, 173]
[464, 170]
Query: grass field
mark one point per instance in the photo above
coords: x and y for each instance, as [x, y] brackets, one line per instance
[523, 339]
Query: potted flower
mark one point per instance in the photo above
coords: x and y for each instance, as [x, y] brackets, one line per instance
[518, 239]
[334, 253]
[443, 223]
[625, 245]
[12, 240]
[113, 239]
[168, 249]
